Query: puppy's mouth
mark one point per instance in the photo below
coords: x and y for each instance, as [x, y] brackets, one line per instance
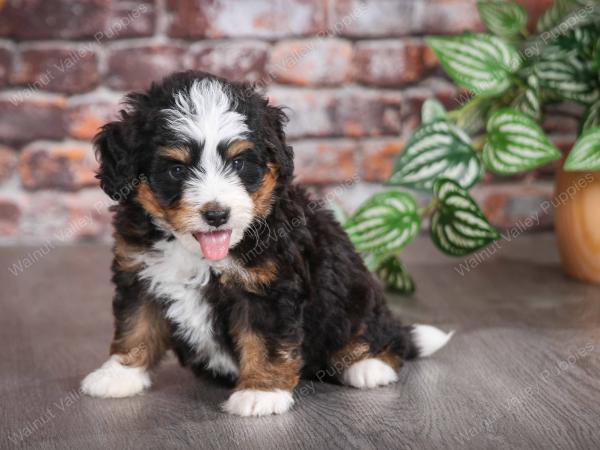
[214, 244]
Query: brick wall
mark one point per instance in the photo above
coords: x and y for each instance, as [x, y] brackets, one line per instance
[353, 74]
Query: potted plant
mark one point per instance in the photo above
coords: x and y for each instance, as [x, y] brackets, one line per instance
[513, 77]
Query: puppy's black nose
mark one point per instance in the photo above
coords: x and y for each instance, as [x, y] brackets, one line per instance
[216, 217]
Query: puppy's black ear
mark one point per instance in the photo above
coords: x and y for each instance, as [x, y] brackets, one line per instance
[284, 155]
[115, 150]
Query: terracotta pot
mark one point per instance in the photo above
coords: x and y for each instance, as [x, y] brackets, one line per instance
[577, 223]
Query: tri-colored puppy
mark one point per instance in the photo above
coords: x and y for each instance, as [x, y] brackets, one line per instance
[219, 257]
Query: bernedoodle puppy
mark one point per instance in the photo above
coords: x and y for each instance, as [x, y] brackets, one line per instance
[219, 257]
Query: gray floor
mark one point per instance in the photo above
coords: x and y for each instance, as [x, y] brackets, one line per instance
[523, 370]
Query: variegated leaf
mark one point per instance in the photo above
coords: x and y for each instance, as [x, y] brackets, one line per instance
[585, 155]
[555, 15]
[395, 276]
[528, 101]
[385, 223]
[458, 227]
[516, 143]
[432, 110]
[592, 117]
[478, 62]
[502, 18]
[437, 149]
[568, 76]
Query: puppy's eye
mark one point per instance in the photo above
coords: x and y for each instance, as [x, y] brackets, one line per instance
[177, 172]
[237, 164]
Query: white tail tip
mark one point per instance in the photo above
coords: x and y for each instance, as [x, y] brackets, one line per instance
[428, 339]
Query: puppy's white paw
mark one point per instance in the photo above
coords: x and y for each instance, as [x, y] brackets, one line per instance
[369, 373]
[251, 402]
[114, 380]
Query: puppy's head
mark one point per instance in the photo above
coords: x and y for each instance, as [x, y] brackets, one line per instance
[204, 157]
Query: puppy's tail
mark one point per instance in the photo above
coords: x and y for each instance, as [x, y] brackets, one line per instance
[425, 340]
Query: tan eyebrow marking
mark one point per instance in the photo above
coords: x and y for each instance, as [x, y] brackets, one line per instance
[181, 154]
[238, 147]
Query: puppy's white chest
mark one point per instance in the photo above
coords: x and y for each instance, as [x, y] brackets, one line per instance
[177, 277]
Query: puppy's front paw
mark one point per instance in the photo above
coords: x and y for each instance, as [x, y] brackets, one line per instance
[369, 373]
[252, 402]
[114, 380]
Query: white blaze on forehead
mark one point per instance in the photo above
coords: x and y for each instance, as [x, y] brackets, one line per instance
[206, 114]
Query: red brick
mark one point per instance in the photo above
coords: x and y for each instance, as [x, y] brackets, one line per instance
[378, 156]
[450, 16]
[138, 67]
[350, 112]
[87, 114]
[25, 116]
[47, 165]
[243, 61]
[259, 18]
[6, 59]
[324, 161]
[57, 19]
[8, 162]
[310, 112]
[129, 19]
[508, 205]
[535, 8]
[558, 123]
[10, 216]
[391, 63]
[366, 113]
[359, 18]
[311, 62]
[69, 69]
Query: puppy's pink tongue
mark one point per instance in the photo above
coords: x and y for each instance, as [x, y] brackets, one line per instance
[214, 244]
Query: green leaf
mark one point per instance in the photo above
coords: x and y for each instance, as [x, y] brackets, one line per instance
[528, 101]
[432, 110]
[592, 117]
[515, 143]
[478, 62]
[585, 155]
[568, 76]
[436, 149]
[554, 15]
[505, 19]
[458, 227]
[395, 276]
[385, 223]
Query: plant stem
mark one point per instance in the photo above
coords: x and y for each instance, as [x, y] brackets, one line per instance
[478, 143]
[429, 208]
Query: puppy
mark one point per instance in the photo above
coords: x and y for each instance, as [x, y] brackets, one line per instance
[219, 257]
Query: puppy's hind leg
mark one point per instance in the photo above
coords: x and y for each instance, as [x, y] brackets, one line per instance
[360, 368]
[141, 339]
[368, 368]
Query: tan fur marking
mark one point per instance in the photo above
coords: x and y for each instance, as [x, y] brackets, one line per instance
[238, 147]
[349, 354]
[179, 215]
[391, 359]
[358, 350]
[253, 279]
[180, 154]
[263, 197]
[146, 198]
[143, 339]
[125, 255]
[259, 371]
